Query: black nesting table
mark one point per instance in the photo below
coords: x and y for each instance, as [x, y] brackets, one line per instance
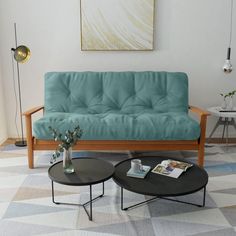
[88, 171]
[159, 186]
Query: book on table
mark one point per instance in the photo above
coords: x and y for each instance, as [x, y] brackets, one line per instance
[171, 168]
[139, 174]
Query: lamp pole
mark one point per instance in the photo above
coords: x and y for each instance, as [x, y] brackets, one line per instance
[22, 142]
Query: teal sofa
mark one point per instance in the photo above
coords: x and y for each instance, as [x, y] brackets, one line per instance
[118, 111]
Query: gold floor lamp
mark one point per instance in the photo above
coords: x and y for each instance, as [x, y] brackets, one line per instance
[21, 54]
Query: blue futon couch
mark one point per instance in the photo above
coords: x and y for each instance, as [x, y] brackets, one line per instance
[118, 111]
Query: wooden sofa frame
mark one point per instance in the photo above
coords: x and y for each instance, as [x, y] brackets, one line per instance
[37, 144]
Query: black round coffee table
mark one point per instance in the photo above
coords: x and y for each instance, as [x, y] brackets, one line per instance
[160, 186]
[88, 171]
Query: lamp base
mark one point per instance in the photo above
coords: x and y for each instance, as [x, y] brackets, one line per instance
[21, 143]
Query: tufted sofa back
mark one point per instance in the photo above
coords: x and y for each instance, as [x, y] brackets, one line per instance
[124, 92]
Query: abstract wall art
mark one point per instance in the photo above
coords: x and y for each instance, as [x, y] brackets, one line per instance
[116, 24]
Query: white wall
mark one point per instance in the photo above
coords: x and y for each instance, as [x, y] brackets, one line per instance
[3, 127]
[190, 36]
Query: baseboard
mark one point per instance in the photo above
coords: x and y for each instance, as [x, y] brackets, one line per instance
[2, 142]
[8, 141]
[220, 140]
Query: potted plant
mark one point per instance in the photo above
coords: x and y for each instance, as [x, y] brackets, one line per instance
[68, 140]
[228, 105]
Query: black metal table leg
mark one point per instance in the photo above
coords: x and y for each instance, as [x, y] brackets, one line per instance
[218, 123]
[204, 196]
[91, 202]
[127, 208]
[121, 198]
[226, 122]
[165, 198]
[84, 204]
[53, 193]
[223, 134]
[233, 123]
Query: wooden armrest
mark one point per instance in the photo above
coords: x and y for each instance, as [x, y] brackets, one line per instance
[199, 111]
[33, 110]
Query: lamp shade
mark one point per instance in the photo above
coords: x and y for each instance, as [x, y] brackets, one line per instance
[21, 53]
[227, 67]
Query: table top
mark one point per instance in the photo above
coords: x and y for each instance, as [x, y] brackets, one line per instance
[216, 112]
[88, 171]
[194, 179]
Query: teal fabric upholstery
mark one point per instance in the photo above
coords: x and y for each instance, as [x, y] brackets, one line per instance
[117, 126]
[118, 106]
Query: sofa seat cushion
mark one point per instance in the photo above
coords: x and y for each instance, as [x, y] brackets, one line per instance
[118, 126]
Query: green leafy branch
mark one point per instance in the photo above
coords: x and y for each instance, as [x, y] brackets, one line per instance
[230, 94]
[68, 140]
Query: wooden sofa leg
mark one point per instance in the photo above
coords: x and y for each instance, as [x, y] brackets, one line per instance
[29, 138]
[30, 157]
[201, 156]
[201, 147]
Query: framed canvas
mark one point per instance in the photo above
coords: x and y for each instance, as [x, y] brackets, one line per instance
[116, 24]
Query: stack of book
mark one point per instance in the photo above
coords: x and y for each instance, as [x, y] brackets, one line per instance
[139, 174]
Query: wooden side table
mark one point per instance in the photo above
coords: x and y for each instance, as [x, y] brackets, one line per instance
[226, 118]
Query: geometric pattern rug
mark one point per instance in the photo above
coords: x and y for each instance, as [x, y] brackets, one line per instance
[26, 207]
